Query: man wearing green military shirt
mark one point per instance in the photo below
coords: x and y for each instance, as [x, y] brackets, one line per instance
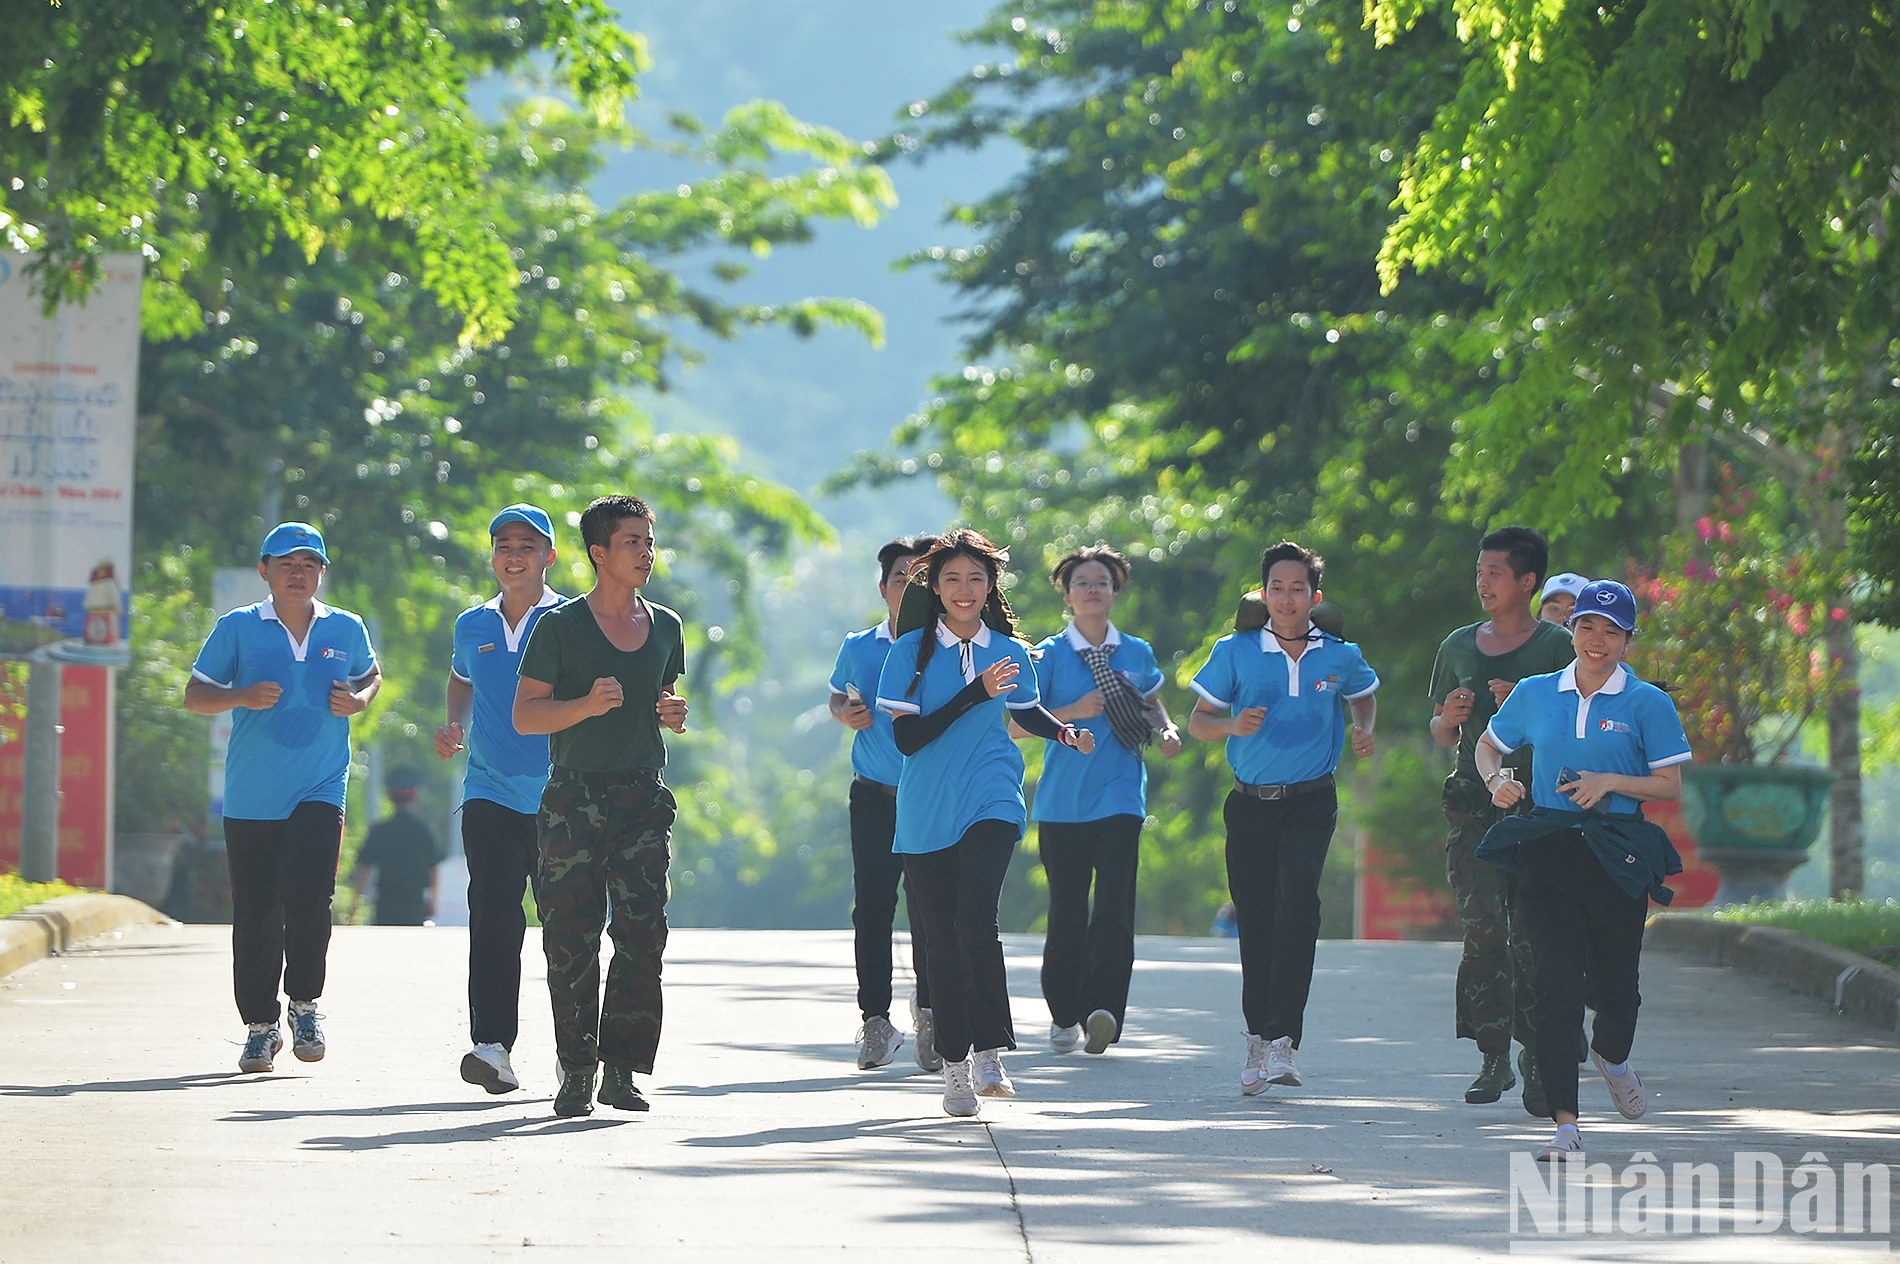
[597, 676]
[1476, 669]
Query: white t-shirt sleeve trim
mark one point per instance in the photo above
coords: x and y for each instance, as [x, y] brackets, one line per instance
[898, 706]
[1201, 689]
[459, 676]
[1671, 760]
[1498, 741]
[1367, 692]
[222, 684]
[1030, 705]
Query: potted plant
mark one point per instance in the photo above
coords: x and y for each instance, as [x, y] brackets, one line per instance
[1735, 628]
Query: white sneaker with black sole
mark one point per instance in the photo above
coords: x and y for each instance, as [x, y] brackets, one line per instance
[1626, 1087]
[1280, 1068]
[878, 1043]
[959, 1090]
[487, 1065]
[1253, 1074]
[924, 1023]
[1566, 1145]
[1102, 1029]
[991, 1079]
[1064, 1039]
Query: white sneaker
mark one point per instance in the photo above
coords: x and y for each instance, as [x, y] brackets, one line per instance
[1567, 1144]
[1626, 1090]
[925, 1025]
[306, 1033]
[1102, 1030]
[1253, 1076]
[877, 1043]
[1280, 1068]
[991, 1079]
[1064, 1039]
[959, 1090]
[487, 1065]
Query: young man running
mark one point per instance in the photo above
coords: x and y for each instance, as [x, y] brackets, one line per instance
[295, 671]
[501, 791]
[1476, 669]
[1275, 696]
[875, 868]
[598, 676]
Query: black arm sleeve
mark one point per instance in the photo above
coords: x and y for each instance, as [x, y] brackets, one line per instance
[914, 732]
[1038, 721]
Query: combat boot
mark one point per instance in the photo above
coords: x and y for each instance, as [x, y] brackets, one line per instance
[1494, 1081]
[618, 1090]
[1534, 1101]
[577, 1093]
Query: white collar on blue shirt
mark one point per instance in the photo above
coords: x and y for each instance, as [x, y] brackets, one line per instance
[267, 611]
[513, 634]
[1567, 683]
[1270, 644]
[1078, 642]
[965, 660]
[884, 631]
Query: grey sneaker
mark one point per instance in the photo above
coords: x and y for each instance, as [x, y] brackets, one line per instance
[306, 1033]
[1065, 1039]
[1253, 1075]
[959, 1090]
[991, 1079]
[262, 1042]
[877, 1043]
[1102, 1029]
[925, 1025]
[1626, 1089]
[1280, 1068]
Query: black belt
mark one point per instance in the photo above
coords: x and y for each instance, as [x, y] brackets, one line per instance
[879, 786]
[1291, 790]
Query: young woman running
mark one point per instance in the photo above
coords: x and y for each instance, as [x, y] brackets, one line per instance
[1089, 811]
[960, 798]
[1602, 743]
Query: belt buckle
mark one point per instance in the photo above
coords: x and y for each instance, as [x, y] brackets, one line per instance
[1273, 793]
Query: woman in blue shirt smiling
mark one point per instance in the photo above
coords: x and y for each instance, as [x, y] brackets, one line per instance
[960, 810]
[1089, 809]
[1603, 743]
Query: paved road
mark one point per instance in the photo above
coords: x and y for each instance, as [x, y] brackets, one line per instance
[125, 1131]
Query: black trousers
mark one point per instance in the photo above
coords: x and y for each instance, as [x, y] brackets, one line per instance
[957, 890]
[1587, 939]
[1088, 955]
[283, 875]
[500, 845]
[1275, 851]
[875, 871]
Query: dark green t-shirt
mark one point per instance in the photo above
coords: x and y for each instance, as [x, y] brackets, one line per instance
[402, 849]
[568, 650]
[1461, 663]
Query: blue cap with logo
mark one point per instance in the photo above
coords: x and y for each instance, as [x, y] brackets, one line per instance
[1611, 600]
[294, 537]
[533, 515]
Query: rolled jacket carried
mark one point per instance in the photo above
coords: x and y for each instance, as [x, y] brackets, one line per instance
[1635, 852]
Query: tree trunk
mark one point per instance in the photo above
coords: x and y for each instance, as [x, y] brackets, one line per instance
[1691, 486]
[1847, 836]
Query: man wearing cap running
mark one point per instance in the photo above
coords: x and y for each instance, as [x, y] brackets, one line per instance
[401, 853]
[1559, 597]
[501, 791]
[295, 671]
[1477, 667]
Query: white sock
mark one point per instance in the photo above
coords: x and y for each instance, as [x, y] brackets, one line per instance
[1573, 1130]
[1618, 1068]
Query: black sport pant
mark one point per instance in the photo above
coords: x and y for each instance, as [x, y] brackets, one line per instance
[1088, 956]
[500, 845]
[1275, 851]
[875, 871]
[957, 890]
[283, 875]
[1586, 935]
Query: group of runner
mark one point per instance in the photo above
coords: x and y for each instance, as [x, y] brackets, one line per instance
[560, 706]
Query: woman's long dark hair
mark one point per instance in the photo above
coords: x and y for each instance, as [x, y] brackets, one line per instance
[963, 542]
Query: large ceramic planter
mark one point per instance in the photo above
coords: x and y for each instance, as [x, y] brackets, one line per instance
[1754, 823]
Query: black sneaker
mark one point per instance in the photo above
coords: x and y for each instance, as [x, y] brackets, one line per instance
[1534, 1102]
[1494, 1081]
[618, 1090]
[577, 1093]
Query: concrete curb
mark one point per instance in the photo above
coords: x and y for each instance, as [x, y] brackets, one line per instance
[55, 926]
[1856, 986]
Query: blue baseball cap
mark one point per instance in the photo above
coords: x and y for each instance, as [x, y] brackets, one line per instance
[533, 515]
[293, 537]
[1611, 600]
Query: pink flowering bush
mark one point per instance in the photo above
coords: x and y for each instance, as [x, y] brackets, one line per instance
[1735, 624]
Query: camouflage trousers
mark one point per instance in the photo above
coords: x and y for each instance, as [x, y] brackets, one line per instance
[603, 855]
[1496, 987]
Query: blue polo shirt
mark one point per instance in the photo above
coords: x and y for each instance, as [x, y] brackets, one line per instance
[504, 766]
[874, 751]
[296, 752]
[1113, 781]
[1305, 728]
[973, 771]
[1628, 726]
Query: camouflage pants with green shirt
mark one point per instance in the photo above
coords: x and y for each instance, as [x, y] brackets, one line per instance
[1497, 998]
[603, 858]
